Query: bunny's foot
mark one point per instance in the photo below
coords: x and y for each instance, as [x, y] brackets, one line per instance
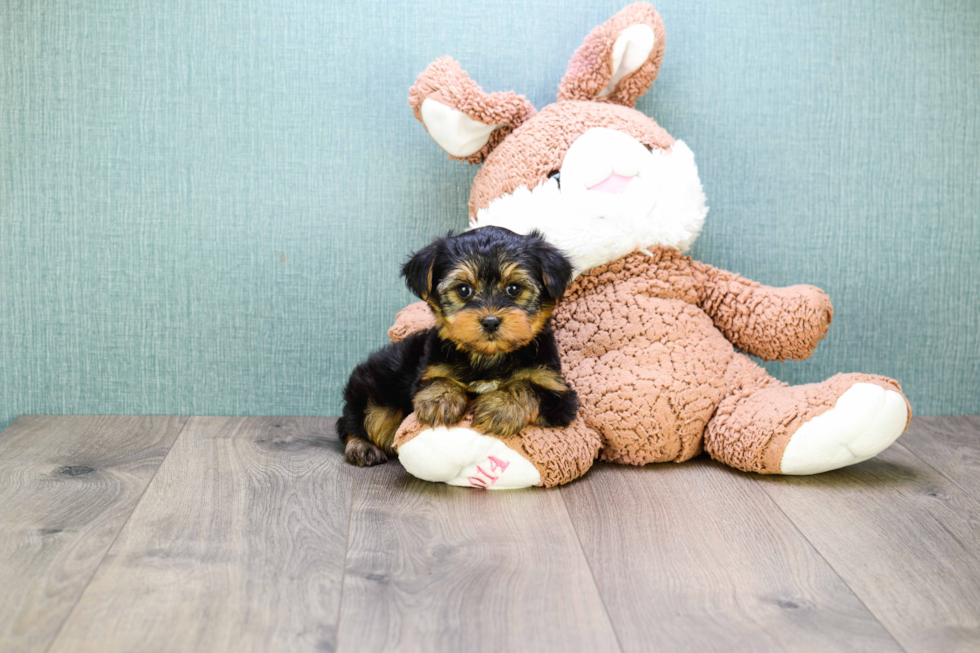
[461, 455]
[768, 427]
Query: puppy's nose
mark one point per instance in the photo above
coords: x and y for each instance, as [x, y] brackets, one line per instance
[490, 323]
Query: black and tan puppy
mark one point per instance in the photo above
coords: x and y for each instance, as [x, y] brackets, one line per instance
[492, 292]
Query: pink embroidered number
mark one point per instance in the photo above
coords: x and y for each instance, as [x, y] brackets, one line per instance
[488, 479]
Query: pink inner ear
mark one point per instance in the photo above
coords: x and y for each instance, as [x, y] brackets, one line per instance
[612, 184]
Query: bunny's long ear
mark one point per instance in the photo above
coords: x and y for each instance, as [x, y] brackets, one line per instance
[618, 60]
[460, 117]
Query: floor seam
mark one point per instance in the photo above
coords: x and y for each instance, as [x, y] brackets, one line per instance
[967, 494]
[343, 573]
[595, 583]
[816, 550]
[95, 570]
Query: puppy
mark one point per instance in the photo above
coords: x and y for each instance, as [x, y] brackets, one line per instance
[492, 292]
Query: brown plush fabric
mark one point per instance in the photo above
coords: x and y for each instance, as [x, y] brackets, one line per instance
[771, 323]
[643, 343]
[445, 81]
[560, 455]
[591, 66]
[647, 363]
[412, 318]
[754, 423]
[533, 144]
[648, 341]
[538, 146]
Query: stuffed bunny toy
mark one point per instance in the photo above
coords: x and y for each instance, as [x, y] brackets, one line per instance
[655, 343]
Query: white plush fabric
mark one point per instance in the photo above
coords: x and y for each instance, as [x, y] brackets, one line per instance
[461, 456]
[631, 50]
[865, 421]
[663, 205]
[453, 130]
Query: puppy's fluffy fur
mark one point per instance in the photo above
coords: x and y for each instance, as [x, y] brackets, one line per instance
[492, 292]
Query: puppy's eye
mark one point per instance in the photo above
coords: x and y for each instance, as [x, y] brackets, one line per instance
[464, 290]
[513, 289]
[556, 175]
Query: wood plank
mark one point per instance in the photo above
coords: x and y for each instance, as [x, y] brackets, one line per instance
[67, 486]
[695, 557]
[238, 545]
[438, 568]
[951, 445]
[903, 537]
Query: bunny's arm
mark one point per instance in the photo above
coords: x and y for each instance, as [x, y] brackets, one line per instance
[771, 323]
[411, 319]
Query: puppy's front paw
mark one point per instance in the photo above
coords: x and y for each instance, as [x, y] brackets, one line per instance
[440, 403]
[500, 413]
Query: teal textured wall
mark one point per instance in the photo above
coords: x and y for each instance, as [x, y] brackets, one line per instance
[203, 203]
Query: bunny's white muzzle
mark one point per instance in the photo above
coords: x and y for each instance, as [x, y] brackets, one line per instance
[613, 197]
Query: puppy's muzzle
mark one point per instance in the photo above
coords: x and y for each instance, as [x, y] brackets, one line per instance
[490, 323]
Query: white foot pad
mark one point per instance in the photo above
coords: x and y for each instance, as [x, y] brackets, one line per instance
[461, 456]
[864, 422]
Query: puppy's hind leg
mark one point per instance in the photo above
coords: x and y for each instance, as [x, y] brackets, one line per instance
[376, 398]
[379, 425]
[362, 453]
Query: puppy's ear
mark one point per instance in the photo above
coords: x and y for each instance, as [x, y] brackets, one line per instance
[418, 270]
[556, 269]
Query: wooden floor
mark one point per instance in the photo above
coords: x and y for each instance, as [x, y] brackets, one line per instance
[252, 534]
